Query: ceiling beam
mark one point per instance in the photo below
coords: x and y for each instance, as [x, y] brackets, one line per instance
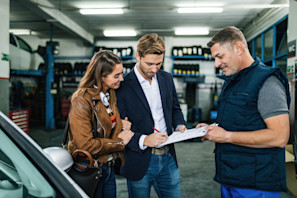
[60, 19]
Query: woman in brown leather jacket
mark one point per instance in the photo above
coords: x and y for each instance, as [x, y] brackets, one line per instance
[95, 101]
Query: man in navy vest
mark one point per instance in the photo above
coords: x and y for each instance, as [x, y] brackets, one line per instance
[253, 121]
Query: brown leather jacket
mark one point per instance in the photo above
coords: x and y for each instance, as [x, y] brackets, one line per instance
[81, 119]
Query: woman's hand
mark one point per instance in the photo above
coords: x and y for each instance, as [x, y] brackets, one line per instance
[126, 124]
[126, 136]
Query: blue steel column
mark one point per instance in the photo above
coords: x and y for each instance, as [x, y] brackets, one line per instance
[274, 46]
[262, 46]
[49, 98]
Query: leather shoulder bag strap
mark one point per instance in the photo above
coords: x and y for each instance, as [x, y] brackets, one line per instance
[95, 132]
[65, 136]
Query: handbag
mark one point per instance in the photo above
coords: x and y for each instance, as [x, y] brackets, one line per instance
[86, 176]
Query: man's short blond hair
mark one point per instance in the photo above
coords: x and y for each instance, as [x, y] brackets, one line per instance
[150, 44]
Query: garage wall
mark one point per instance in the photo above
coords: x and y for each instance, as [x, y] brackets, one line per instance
[4, 55]
[264, 21]
[292, 62]
[71, 48]
[292, 27]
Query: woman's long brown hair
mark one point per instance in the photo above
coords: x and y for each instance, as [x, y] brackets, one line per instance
[101, 65]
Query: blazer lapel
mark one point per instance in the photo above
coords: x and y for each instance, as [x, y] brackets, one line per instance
[136, 87]
[162, 87]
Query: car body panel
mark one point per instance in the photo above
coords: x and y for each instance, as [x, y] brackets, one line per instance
[22, 57]
[23, 147]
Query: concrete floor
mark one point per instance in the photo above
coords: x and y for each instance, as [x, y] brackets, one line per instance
[195, 159]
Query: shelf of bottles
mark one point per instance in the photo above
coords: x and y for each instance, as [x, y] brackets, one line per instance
[192, 51]
[125, 53]
[79, 68]
[68, 75]
[67, 69]
[187, 59]
[119, 51]
[191, 68]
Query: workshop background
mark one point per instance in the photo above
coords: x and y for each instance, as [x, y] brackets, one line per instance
[45, 46]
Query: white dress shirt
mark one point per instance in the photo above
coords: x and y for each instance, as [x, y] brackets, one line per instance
[153, 97]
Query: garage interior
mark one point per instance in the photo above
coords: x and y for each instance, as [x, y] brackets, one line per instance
[47, 44]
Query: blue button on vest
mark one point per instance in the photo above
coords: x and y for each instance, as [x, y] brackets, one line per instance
[238, 166]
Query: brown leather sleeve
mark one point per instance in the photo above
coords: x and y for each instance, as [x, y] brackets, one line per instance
[111, 146]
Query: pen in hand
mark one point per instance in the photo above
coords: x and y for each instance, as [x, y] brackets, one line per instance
[156, 130]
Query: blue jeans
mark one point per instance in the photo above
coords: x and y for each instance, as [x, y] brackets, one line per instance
[107, 184]
[163, 174]
[229, 192]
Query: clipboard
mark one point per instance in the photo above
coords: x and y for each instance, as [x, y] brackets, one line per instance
[186, 135]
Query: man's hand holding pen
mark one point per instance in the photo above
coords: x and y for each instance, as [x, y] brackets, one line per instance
[155, 139]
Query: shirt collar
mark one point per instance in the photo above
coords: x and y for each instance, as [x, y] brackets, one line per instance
[140, 78]
[103, 96]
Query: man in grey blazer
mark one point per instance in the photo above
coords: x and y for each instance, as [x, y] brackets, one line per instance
[147, 97]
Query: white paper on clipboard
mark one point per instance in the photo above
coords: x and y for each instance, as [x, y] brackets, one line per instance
[186, 135]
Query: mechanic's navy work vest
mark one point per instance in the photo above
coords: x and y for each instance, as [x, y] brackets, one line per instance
[239, 166]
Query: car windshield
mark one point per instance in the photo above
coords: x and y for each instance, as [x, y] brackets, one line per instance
[11, 40]
[18, 176]
[23, 45]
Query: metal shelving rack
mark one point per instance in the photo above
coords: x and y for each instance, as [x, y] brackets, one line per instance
[189, 59]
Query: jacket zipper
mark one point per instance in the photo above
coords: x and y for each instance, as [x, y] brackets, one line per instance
[115, 143]
[100, 123]
[104, 129]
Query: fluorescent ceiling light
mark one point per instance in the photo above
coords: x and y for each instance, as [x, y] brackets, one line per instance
[257, 6]
[216, 7]
[200, 10]
[102, 11]
[191, 31]
[119, 33]
[22, 32]
[201, 4]
[97, 4]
